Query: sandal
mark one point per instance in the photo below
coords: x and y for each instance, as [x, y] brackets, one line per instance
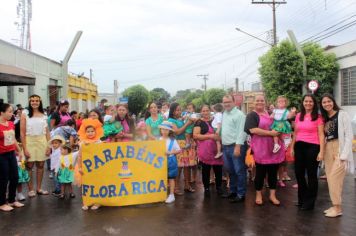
[275, 202]
[16, 204]
[85, 208]
[259, 202]
[177, 192]
[6, 208]
[95, 207]
[61, 196]
[189, 190]
[42, 192]
[32, 193]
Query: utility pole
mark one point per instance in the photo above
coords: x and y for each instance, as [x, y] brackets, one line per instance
[237, 84]
[205, 78]
[273, 4]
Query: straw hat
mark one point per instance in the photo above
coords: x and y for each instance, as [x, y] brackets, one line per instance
[56, 137]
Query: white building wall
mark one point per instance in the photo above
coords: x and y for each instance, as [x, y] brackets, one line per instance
[42, 68]
[346, 60]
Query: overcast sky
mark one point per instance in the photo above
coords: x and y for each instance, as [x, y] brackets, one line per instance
[167, 43]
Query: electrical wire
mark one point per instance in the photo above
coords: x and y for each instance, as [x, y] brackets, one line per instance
[169, 74]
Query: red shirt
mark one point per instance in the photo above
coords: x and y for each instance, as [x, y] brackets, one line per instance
[7, 138]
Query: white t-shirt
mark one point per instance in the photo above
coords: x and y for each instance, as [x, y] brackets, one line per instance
[175, 144]
[55, 156]
[217, 120]
[66, 160]
[278, 114]
[107, 118]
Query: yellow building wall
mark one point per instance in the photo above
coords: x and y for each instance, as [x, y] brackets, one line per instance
[80, 88]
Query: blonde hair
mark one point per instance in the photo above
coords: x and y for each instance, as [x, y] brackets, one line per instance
[282, 97]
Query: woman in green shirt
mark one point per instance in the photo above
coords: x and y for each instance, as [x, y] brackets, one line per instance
[153, 119]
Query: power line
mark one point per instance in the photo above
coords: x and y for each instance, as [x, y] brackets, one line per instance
[170, 54]
[205, 78]
[273, 3]
[168, 74]
[336, 32]
[325, 30]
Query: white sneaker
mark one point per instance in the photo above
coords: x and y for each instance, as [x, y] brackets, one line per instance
[170, 198]
[21, 197]
[276, 147]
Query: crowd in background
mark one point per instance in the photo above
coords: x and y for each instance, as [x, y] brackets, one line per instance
[227, 145]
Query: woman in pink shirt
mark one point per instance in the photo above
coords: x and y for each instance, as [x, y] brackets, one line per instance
[308, 147]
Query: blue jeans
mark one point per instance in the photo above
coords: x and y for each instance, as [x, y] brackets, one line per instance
[57, 185]
[236, 168]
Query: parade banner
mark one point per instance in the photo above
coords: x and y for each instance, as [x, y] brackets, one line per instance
[124, 173]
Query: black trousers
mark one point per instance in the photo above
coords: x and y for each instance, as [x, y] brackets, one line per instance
[305, 162]
[261, 171]
[9, 175]
[206, 175]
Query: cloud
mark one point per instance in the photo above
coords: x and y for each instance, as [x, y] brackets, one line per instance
[161, 43]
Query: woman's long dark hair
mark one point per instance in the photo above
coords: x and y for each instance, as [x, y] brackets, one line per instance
[324, 113]
[315, 112]
[172, 109]
[148, 113]
[129, 120]
[30, 109]
[99, 115]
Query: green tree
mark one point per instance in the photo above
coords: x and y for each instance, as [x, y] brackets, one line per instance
[159, 95]
[198, 103]
[281, 71]
[214, 95]
[138, 98]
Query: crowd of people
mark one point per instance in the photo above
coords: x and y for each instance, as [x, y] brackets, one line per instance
[216, 138]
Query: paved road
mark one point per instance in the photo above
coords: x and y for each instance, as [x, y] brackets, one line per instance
[191, 214]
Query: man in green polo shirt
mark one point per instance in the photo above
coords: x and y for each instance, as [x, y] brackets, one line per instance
[234, 148]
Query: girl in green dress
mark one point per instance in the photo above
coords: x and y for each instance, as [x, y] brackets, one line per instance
[66, 170]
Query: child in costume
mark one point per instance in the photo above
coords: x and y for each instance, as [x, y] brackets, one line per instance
[281, 123]
[111, 126]
[65, 170]
[172, 148]
[24, 177]
[55, 143]
[91, 131]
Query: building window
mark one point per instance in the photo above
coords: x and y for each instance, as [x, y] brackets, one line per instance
[348, 86]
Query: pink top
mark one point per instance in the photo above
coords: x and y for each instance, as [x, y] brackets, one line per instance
[126, 130]
[262, 146]
[307, 130]
[207, 149]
